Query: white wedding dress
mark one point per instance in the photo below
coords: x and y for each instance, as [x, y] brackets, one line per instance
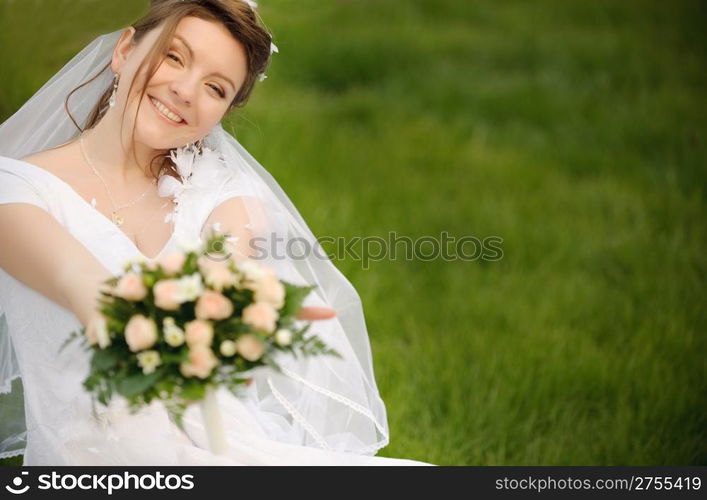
[63, 427]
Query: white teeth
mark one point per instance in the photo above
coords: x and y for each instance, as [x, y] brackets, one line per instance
[165, 111]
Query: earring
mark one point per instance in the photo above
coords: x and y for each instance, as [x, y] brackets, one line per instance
[111, 101]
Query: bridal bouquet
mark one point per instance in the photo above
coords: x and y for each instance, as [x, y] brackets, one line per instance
[176, 329]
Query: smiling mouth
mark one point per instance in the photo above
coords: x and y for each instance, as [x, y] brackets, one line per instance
[165, 112]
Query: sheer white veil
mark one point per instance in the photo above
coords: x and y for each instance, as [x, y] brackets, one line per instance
[323, 401]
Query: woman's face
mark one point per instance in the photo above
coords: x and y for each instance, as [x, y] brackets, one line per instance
[195, 82]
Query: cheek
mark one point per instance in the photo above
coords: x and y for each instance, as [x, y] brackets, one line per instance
[163, 75]
[212, 116]
[207, 114]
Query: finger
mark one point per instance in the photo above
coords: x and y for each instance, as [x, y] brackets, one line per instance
[313, 313]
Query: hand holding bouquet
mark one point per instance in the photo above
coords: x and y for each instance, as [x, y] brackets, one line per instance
[176, 329]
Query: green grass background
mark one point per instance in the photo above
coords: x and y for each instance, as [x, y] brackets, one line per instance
[575, 131]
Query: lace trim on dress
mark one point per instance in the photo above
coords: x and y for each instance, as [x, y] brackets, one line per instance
[298, 417]
[13, 453]
[336, 397]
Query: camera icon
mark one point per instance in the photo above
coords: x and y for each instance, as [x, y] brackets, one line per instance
[17, 482]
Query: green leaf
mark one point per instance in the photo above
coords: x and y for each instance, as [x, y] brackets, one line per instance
[149, 280]
[170, 358]
[137, 384]
[105, 394]
[268, 361]
[80, 334]
[175, 410]
[193, 390]
[104, 359]
[294, 297]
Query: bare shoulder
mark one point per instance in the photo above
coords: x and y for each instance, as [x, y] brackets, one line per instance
[58, 161]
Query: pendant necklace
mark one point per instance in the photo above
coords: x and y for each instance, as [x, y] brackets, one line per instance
[115, 214]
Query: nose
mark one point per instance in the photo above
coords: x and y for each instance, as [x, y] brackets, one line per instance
[183, 90]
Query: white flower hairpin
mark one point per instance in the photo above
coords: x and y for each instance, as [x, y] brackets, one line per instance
[273, 48]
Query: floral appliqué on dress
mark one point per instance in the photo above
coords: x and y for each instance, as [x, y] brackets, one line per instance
[199, 171]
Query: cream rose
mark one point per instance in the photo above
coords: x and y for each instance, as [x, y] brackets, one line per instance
[167, 295]
[270, 290]
[228, 348]
[173, 262]
[283, 337]
[148, 361]
[140, 333]
[261, 315]
[202, 361]
[130, 287]
[213, 305]
[189, 287]
[250, 347]
[173, 335]
[199, 332]
[97, 332]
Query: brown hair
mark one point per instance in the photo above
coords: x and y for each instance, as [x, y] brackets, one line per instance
[236, 15]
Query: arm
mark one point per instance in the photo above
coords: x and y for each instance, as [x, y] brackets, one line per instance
[39, 252]
[243, 217]
[234, 216]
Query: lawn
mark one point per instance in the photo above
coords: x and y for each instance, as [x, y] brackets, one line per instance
[572, 131]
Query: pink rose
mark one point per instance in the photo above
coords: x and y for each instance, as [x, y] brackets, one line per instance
[199, 332]
[167, 295]
[249, 347]
[140, 333]
[270, 290]
[213, 305]
[216, 274]
[130, 287]
[173, 262]
[201, 362]
[260, 315]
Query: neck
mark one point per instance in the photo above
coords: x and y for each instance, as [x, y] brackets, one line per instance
[114, 157]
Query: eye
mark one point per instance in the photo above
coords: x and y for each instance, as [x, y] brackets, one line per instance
[217, 89]
[174, 57]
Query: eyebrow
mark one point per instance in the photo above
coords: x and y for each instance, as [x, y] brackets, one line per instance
[191, 55]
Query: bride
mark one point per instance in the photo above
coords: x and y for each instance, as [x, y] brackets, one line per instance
[89, 178]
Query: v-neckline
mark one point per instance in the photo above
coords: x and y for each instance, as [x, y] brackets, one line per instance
[101, 215]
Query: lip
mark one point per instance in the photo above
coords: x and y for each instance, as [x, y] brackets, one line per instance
[173, 123]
